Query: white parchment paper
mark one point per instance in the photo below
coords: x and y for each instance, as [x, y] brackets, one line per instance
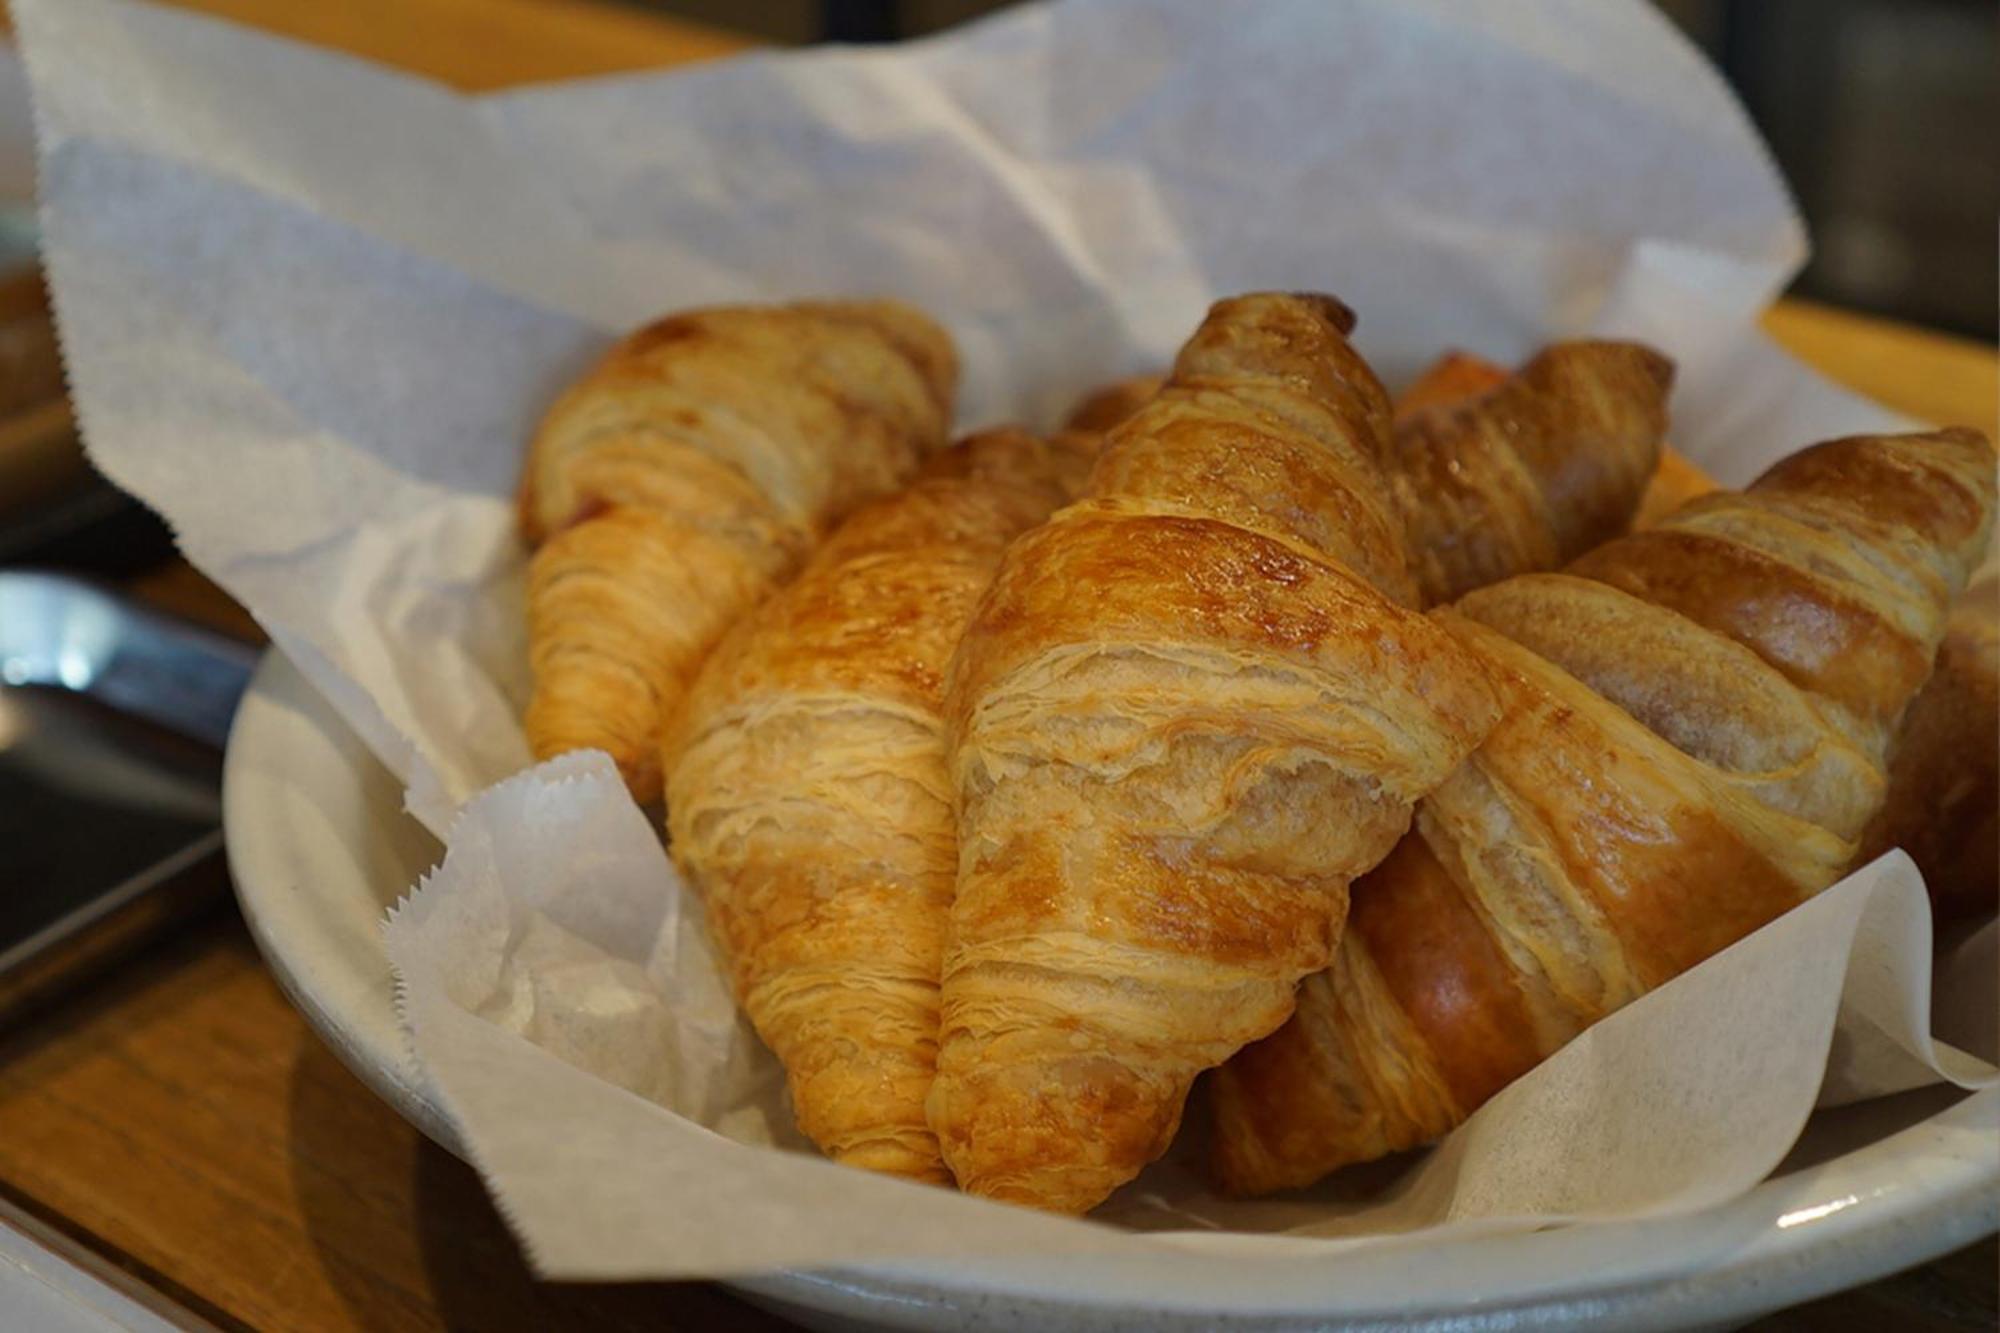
[562, 1003]
[311, 310]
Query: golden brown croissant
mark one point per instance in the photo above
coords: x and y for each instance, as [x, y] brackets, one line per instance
[1500, 473]
[694, 467]
[1191, 707]
[1696, 719]
[807, 796]
[1457, 378]
[1532, 471]
[1943, 804]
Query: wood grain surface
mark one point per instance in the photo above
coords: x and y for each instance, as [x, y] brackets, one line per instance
[180, 1120]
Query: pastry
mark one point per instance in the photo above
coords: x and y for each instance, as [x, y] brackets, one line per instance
[1457, 377]
[807, 798]
[1695, 728]
[1530, 472]
[1943, 804]
[1499, 473]
[686, 475]
[1191, 707]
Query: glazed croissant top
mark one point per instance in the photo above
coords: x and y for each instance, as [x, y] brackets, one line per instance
[1695, 723]
[1189, 709]
[685, 475]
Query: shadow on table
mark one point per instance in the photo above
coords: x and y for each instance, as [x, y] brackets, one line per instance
[409, 1238]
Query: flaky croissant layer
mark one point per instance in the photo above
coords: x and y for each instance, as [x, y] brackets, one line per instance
[691, 470]
[807, 797]
[1534, 469]
[1693, 738]
[1188, 711]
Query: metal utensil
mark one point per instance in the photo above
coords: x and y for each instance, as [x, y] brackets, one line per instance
[112, 720]
[63, 632]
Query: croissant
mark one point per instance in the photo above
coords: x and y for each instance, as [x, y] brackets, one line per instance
[1457, 378]
[1190, 708]
[1531, 471]
[682, 478]
[1695, 724]
[1500, 474]
[807, 797]
[1943, 802]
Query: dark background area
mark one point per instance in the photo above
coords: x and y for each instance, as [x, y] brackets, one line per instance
[1881, 114]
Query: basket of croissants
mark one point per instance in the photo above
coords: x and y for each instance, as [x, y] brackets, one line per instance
[1355, 753]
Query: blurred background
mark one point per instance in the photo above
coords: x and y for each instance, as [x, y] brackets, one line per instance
[1882, 114]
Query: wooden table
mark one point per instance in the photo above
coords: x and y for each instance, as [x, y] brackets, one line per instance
[178, 1124]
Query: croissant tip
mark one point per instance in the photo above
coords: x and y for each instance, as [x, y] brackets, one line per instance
[1645, 358]
[1965, 435]
[1331, 308]
[1328, 308]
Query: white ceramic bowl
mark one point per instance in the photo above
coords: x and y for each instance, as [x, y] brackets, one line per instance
[319, 848]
